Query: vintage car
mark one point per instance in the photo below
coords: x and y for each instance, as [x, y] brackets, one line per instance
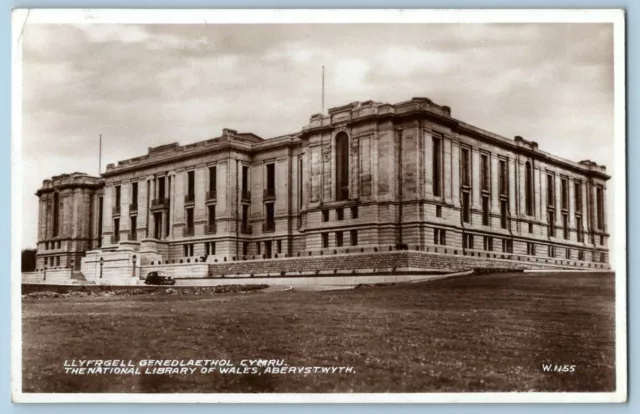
[159, 278]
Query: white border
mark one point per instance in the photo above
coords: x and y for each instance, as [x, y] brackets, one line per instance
[618, 257]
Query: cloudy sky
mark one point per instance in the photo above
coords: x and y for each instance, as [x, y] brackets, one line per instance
[147, 85]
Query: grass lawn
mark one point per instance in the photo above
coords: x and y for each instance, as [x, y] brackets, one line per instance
[476, 333]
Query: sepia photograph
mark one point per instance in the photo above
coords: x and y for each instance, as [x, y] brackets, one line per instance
[318, 206]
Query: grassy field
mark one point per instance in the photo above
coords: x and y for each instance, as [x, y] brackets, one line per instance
[476, 333]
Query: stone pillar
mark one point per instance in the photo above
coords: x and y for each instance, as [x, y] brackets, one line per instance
[454, 168]
[558, 195]
[447, 176]
[180, 178]
[475, 179]
[495, 184]
[125, 221]
[200, 185]
[511, 177]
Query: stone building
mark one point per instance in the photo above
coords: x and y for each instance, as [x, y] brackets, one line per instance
[365, 177]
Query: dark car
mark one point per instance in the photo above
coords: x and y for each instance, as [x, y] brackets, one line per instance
[158, 278]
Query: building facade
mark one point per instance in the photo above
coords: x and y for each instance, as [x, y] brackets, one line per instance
[367, 174]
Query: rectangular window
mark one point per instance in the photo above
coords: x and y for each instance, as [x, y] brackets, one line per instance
[245, 248]
[271, 179]
[552, 251]
[325, 215]
[46, 261]
[484, 172]
[245, 179]
[211, 216]
[529, 188]
[279, 246]
[467, 241]
[210, 248]
[485, 211]
[258, 248]
[503, 179]
[270, 213]
[340, 213]
[530, 227]
[578, 197]
[601, 240]
[531, 249]
[568, 253]
[213, 179]
[161, 188]
[437, 166]
[551, 190]
[488, 243]
[116, 229]
[551, 220]
[191, 183]
[465, 164]
[580, 254]
[565, 226]
[564, 187]
[186, 250]
[439, 237]
[507, 246]
[503, 214]
[354, 212]
[134, 193]
[339, 238]
[118, 195]
[579, 229]
[190, 217]
[602, 257]
[134, 226]
[438, 211]
[300, 185]
[354, 237]
[600, 207]
[466, 208]
[325, 240]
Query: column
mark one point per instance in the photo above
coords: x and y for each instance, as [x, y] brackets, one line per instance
[495, 188]
[454, 168]
[511, 167]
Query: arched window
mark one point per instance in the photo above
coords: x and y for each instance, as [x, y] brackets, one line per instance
[529, 188]
[342, 166]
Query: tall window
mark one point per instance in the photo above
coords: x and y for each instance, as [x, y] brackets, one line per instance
[354, 237]
[100, 207]
[600, 207]
[439, 237]
[551, 190]
[134, 193]
[528, 189]
[466, 215]
[503, 179]
[190, 217]
[485, 210]
[484, 172]
[325, 240]
[271, 179]
[467, 241]
[116, 229]
[191, 184]
[339, 238]
[342, 166]
[578, 197]
[245, 179]
[487, 243]
[213, 178]
[118, 195]
[564, 187]
[531, 249]
[551, 219]
[134, 225]
[56, 214]
[211, 216]
[579, 229]
[503, 214]
[565, 225]
[300, 185]
[437, 166]
[465, 166]
[161, 189]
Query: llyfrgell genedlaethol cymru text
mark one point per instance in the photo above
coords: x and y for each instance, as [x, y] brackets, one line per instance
[194, 367]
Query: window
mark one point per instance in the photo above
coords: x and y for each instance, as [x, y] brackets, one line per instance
[245, 180]
[600, 207]
[568, 253]
[602, 257]
[325, 240]
[437, 166]
[465, 166]
[488, 243]
[134, 193]
[466, 214]
[325, 215]
[57, 260]
[439, 237]
[118, 195]
[116, 229]
[438, 211]
[565, 226]
[160, 188]
[354, 237]
[578, 197]
[551, 219]
[245, 248]
[339, 213]
[211, 214]
[210, 248]
[551, 191]
[270, 214]
[354, 212]
[46, 261]
[188, 250]
[56, 214]
[467, 241]
[503, 214]
[191, 184]
[530, 227]
[503, 179]
[134, 226]
[580, 254]
[601, 240]
[339, 238]
[300, 185]
[552, 251]
[529, 189]
[507, 246]
[271, 180]
[213, 179]
[101, 206]
[564, 188]
[579, 229]
[484, 172]
[189, 217]
[531, 249]
[279, 246]
[485, 210]
[342, 166]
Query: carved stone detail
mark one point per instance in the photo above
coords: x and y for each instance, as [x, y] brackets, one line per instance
[326, 152]
[355, 145]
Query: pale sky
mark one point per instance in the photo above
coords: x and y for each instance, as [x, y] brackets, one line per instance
[148, 85]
